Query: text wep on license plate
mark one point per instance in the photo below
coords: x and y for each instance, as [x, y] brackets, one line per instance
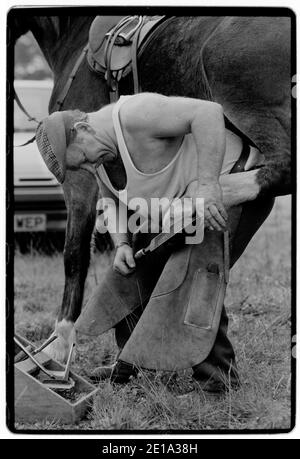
[30, 222]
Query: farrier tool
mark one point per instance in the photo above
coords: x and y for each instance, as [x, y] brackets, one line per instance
[163, 237]
[21, 355]
[56, 379]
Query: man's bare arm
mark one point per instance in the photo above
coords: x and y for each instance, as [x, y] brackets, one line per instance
[117, 226]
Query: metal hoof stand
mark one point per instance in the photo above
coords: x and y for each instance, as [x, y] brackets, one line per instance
[47, 390]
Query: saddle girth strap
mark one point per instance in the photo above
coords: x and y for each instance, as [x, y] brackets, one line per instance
[134, 51]
[112, 81]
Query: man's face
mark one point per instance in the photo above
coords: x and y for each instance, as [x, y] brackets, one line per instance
[75, 156]
[90, 144]
[87, 149]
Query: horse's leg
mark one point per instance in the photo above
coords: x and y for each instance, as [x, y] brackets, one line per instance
[81, 191]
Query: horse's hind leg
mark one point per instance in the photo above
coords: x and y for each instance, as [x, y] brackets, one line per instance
[81, 191]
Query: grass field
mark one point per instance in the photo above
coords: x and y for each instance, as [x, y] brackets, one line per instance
[258, 303]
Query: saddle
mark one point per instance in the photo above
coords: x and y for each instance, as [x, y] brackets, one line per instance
[116, 42]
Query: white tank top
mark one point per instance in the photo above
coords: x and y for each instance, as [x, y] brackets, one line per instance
[171, 181]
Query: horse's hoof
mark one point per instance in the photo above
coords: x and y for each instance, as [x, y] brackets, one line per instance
[60, 348]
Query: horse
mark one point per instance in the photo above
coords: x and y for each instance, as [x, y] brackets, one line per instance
[243, 63]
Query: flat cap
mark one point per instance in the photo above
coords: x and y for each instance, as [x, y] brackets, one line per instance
[52, 138]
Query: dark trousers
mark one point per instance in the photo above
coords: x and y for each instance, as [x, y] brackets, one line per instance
[220, 362]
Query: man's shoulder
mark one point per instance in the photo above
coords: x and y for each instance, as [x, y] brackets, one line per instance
[138, 107]
[142, 100]
[151, 102]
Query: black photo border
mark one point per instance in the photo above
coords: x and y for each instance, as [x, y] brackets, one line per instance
[144, 10]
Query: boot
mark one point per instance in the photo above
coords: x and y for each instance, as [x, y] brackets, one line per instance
[120, 373]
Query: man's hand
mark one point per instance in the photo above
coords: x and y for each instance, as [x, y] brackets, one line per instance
[239, 187]
[124, 262]
[215, 215]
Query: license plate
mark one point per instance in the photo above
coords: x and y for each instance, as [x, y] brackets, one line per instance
[30, 222]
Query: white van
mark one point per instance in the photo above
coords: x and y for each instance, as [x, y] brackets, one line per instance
[39, 201]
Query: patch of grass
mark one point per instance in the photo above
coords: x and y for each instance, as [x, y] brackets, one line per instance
[258, 302]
